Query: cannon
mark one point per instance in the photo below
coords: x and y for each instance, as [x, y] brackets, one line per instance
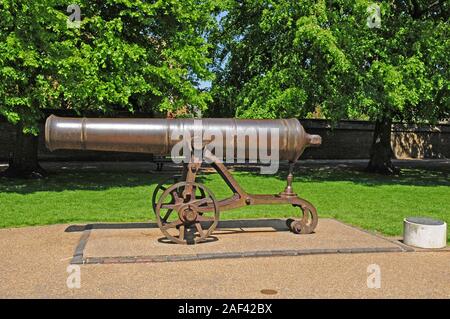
[187, 212]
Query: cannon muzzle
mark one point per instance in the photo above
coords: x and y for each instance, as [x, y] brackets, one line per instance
[159, 136]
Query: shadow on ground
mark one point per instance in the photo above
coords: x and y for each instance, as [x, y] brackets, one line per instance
[68, 176]
[275, 224]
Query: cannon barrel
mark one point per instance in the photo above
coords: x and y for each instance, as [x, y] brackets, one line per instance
[158, 136]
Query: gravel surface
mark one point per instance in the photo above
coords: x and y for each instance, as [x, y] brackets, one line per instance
[34, 261]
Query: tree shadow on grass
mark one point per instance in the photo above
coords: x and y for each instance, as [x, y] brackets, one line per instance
[413, 176]
[92, 181]
[98, 180]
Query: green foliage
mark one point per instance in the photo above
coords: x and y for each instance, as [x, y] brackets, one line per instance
[145, 55]
[400, 70]
[25, 47]
[280, 58]
[273, 58]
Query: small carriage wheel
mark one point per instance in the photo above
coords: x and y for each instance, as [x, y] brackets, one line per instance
[197, 217]
[161, 187]
[309, 220]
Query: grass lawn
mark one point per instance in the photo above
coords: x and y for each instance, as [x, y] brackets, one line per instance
[373, 202]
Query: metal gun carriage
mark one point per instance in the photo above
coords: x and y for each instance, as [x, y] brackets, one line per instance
[187, 211]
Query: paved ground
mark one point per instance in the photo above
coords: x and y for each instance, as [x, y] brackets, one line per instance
[34, 261]
[113, 243]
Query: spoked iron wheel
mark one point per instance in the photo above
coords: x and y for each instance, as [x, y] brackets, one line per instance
[161, 187]
[165, 184]
[197, 213]
[309, 220]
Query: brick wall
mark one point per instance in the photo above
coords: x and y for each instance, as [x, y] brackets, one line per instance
[347, 140]
[352, 140]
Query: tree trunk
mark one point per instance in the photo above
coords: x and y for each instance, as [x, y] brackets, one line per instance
[381, 150]
[23, 162]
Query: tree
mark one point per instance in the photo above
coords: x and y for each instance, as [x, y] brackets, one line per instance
[125, 54]
[275, 59]
[399, 68]
[285, 58]
[26, 83]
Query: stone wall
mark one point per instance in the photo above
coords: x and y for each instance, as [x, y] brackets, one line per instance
[347, 140]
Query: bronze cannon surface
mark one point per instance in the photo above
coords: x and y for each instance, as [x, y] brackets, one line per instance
[186, 211]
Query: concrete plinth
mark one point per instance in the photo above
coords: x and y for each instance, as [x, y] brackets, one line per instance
[115, 244]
